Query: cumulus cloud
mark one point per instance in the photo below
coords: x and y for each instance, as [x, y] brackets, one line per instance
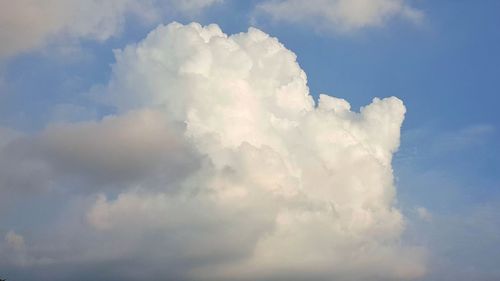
[29, 24]
[340, 15]
[224, 168]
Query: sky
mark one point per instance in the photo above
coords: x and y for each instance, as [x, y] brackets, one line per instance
[249, 140]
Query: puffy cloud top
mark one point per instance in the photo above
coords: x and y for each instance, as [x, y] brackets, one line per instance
[227, 170]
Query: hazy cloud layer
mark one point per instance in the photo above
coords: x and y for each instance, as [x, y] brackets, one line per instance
[340, 15]
[217, 165]
[29, 24]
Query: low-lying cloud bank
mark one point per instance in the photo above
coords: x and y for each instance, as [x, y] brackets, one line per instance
[217, 165]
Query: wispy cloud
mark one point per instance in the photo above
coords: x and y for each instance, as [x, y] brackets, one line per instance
[426, 143]
[464, 243]
[340, 15]
[30, 24]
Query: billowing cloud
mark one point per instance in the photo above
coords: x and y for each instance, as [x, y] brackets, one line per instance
[218, 165]
[340, 15]
[29, 24]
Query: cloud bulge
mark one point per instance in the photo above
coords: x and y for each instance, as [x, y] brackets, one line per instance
[218, 165]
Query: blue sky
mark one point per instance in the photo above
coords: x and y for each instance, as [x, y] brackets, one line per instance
[445, 68]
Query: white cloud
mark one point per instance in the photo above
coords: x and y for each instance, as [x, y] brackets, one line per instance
[227, 170]
[30, 24]
[340, 15]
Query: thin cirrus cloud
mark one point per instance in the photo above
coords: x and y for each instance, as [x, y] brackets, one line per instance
[31, 24]
[341, 16]
[217, 165]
